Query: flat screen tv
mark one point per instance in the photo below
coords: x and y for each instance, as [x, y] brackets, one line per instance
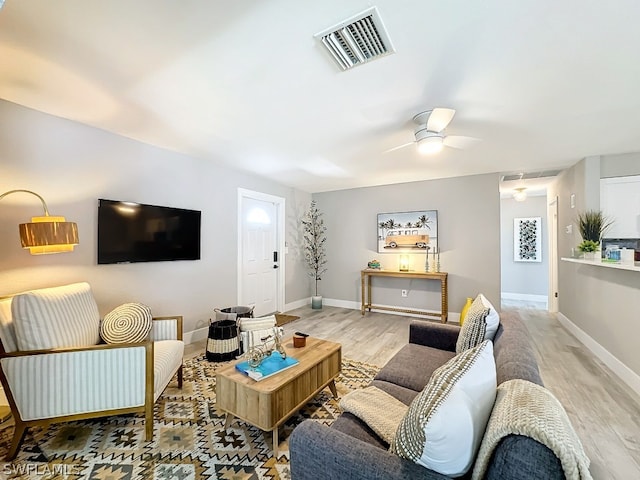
[134, 232]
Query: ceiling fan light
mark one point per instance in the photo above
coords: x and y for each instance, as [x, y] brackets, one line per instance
[430, 145]
[520, 195]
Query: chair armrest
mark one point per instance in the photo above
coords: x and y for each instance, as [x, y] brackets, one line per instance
[318, 452]
[436, 335]
[166, 328]
[88, 348]
[70, 381]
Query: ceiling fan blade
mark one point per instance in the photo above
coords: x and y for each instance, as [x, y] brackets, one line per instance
[398, 147]
[439, 119]
[460, 141]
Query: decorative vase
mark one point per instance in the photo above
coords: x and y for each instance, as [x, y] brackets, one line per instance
[591, 256]
[465, 309]
[316, 302]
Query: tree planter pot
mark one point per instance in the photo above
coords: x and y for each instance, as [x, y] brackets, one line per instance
[594, 256]
[316, 302]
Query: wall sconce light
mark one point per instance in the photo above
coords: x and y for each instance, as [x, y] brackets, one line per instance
[520, 195]
[404, 263]
[46, 234]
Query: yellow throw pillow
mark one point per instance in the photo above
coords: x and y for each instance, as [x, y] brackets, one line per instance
[465, 309]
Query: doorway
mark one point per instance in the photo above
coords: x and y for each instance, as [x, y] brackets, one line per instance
[261, 264]
[552, 216]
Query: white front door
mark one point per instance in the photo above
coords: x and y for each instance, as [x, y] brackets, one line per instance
[260, 259]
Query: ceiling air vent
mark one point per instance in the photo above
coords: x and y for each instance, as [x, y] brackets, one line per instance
[357, 40]
[531, 175]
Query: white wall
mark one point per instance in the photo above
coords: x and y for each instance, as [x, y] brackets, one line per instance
[72, 165]
[601, 305]
[520, 279]
[468, 237]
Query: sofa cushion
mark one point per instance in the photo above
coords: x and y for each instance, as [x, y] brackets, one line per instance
[404, 394]
[56, 317]
[351, 425]
[127, 323]
[445, 423]
[167, 358]
[481, 324]
[413, 365]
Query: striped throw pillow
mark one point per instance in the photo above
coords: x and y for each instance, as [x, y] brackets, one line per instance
[128, 323]
[474, 328]
[444, 425]
[56, 317]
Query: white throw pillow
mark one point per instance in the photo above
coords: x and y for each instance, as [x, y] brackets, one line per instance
[56, 317]
[492, 319]
[445, 423]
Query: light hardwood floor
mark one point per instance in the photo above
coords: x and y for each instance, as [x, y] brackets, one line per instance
[603, 410]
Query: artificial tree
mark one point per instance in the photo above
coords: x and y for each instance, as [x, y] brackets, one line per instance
[315, 253]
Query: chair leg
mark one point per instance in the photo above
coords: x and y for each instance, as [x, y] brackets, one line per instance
[148, 423]
[18, 437]
[180, 377]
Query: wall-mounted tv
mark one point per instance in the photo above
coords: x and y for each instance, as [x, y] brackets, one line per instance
[134, 232]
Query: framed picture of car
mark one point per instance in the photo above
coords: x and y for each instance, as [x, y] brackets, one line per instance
[415, 232]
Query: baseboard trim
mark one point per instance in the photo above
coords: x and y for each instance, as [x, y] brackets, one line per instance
[195, 335]
[623, 372]
[297, 304]
[453, 317]
[332, 302]
[527, 297]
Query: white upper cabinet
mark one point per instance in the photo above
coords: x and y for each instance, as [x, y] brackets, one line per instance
[620, 201]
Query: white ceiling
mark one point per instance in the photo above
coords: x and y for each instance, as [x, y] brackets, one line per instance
[542, 83]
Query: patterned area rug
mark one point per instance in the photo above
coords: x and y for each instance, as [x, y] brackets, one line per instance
[188, 440]
[283, 318]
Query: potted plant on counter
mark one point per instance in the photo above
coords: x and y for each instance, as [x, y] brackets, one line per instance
[592, 225]
[315, 253]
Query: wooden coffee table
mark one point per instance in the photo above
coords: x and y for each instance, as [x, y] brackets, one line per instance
[267, 404]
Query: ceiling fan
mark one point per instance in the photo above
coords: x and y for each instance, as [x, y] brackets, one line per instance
[429, 132]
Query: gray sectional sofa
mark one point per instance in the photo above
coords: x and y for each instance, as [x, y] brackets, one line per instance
[350, 450]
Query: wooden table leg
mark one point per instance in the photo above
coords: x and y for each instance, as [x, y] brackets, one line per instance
[227, 421]
[445, 300]
[275, 443]
[362, 275]
[332, 387]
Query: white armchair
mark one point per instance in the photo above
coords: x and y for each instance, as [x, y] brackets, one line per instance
[53, 369]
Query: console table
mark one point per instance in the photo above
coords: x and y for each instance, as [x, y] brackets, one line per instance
[367, 303]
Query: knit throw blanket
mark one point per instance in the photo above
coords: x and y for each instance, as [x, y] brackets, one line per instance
[524, 408]
[375, 407]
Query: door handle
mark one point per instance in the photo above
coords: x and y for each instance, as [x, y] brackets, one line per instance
[275, 256]
[275, 266]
